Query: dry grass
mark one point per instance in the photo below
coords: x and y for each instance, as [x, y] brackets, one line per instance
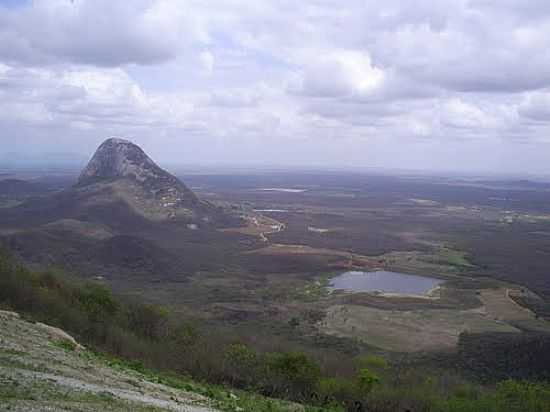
[407, 331]
[498, 304]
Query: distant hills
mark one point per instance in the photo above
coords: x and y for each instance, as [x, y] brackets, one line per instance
[54, 160]
[16, 187]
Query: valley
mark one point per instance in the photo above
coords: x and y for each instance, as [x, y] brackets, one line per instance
[267, 280]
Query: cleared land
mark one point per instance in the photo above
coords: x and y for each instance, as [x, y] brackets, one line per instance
[429, 329]
[407, 331]
[257, 225]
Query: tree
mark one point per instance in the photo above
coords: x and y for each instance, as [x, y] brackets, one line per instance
[148, 321]
[292, 373]
[242, 364]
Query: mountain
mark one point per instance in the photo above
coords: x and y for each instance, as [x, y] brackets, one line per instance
[122, 187]
[153, 192]
[118, 158]
[124, 215]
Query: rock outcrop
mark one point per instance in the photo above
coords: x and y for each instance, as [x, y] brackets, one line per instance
[121, 159]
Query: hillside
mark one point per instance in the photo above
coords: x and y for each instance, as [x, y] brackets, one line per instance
[150, 360]
[40, 369]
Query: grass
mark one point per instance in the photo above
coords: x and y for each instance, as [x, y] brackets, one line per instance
[446, 256]
[13, 391]
[66, 345]
[223, 398]
[404, 331]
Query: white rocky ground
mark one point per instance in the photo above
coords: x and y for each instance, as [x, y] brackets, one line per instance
[39, 372]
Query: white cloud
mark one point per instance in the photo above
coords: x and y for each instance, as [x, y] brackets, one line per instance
[457, 113]
[536, 106]
[207, 61]
[98, 32]
[255, 75]
[341, 73]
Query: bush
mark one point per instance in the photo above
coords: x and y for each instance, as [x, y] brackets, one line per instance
[366, 380]
[242, 365]
[97, 302]
[336, 390]
[147, 321]
[292, 374]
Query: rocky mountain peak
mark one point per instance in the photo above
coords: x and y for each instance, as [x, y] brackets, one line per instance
[121, 159]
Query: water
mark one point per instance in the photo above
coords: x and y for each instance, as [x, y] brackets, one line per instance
[382, 281]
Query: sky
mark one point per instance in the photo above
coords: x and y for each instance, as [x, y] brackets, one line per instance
[460, 85]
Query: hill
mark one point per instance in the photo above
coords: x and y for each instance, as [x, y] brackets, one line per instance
[123, 210]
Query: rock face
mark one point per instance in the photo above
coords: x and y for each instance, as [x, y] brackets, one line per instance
[121, 159]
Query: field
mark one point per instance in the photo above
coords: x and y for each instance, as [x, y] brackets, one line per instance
[415, 225]
[408, 331]
[430, 329]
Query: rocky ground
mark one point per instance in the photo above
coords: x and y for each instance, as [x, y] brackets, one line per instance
[42, 369]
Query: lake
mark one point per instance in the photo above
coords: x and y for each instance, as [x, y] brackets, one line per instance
[383, 281]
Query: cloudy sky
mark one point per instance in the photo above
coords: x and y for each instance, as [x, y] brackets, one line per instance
[424, 84]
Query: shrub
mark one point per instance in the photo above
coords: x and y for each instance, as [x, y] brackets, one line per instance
[147, 321]
[366, 380]
[292, 374]
[242, 365]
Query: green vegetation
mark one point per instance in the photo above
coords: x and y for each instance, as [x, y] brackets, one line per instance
[446, 256]
[315, 289]
[68, 346]
[226, 399]
[147, 339]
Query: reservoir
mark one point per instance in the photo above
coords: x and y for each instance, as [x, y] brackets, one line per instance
[383, 281]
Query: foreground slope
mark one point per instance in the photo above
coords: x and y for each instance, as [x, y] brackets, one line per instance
[41, 370]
